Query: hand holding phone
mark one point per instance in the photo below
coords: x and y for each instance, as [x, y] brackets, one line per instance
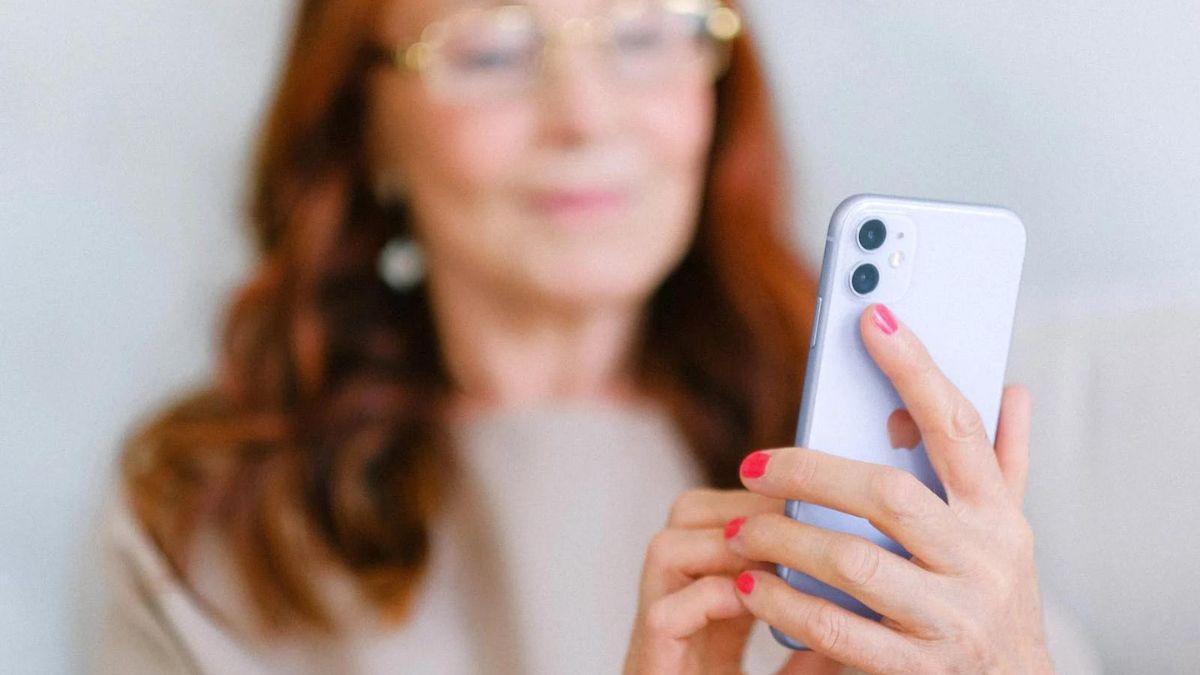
[896, 455]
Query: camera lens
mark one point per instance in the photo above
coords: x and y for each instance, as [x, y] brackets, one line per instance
[864, 279]
[871, 234]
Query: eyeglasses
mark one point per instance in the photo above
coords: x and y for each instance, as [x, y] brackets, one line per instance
[482, 54]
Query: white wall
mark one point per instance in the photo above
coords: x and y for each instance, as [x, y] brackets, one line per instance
[123, 140]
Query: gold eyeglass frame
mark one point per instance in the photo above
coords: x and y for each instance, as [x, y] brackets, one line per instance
[721, 22]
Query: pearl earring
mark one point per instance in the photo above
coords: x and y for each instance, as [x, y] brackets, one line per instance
[401, 263]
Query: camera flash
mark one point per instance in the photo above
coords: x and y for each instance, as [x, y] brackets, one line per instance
[896, 259]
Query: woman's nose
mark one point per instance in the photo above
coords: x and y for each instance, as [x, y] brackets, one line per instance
[579, 100]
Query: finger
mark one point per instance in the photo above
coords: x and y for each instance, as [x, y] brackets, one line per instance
[725, 641]
[680, 614]
[670, 620]
[710, 507]
[891, 499]
[882, 580]
[1012, 439]
[677, 556]
[954, 434]
[826, 627]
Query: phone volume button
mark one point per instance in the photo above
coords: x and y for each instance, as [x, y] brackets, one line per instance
[812, 341]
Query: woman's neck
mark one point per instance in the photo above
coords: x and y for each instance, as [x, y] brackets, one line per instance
[505, 351]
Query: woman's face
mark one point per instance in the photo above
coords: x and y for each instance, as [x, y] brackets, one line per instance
[581, 190]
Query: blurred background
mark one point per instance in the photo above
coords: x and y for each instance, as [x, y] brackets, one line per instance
[124, 139]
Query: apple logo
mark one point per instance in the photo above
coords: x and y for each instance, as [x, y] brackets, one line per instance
[902, 430]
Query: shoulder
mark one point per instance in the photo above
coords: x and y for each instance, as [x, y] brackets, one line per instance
[150, 619]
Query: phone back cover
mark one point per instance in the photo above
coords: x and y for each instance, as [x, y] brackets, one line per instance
[965, 271]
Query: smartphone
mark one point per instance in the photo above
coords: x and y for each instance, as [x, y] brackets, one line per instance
[951, 272]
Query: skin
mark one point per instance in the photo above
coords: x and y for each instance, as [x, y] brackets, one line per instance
[535, 303]
[968, 599]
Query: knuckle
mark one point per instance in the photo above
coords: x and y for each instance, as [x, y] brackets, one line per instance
[803, 470]
[685, 506]
[764, 535]
[960, 630]
[658, 619]
[897, 493]
[973, 641]
[993, 579]
[963, 422]
[751, 533]
[856, 562]
[1013, 541]
[997, 496]
[826, 627]
[658, 553]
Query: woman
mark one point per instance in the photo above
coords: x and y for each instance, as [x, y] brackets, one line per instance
[523, 296]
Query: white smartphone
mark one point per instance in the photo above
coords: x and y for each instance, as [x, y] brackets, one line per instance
[951, 272]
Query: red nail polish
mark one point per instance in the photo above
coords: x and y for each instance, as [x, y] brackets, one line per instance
[745, 582]
[732, 527]
[882, 317]
[755, 464]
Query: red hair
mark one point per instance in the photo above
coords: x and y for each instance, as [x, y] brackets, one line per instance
[317, 441]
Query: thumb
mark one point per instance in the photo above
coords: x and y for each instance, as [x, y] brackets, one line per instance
[1012, 439]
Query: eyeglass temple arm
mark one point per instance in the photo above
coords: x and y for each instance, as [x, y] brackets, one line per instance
[410, 57]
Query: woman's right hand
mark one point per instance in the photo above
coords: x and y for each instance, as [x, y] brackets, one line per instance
[690, 619]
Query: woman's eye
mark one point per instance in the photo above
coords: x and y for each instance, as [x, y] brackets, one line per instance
[492, 59]
[640, 39]
[489, 51]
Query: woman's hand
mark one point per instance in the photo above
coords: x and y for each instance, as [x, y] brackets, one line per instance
[689, 618]
[968, 600]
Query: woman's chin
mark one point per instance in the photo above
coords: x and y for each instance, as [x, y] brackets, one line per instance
[594, 288]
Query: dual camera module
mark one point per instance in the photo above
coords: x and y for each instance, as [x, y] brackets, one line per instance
[871, 235]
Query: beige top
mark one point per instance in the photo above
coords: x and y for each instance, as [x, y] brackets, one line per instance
[534, 569]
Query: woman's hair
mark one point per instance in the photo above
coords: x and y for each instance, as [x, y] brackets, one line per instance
[321, 441]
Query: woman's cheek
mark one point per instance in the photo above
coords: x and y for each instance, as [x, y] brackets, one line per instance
[678, 125]
[468, 158]
[478, 150]
[677, 130]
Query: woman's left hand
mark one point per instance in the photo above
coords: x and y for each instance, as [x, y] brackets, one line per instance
[968, 599]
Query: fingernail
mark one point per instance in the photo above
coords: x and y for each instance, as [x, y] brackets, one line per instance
[882, 317]
[745, 582]
[755, 464]
[732, 527]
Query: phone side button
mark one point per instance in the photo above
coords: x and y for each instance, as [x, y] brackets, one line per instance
[812, 342]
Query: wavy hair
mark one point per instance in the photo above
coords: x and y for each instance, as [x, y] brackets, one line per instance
[317, 440]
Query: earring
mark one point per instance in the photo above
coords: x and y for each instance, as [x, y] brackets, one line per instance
[401, 263]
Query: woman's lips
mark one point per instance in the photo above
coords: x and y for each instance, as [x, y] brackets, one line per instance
[573, 202]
